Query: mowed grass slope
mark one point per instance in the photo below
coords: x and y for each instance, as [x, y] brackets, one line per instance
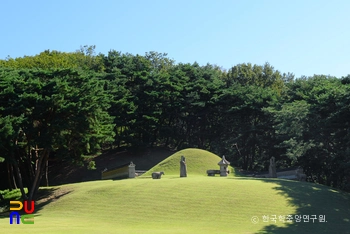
[198, 162]
[195, 204]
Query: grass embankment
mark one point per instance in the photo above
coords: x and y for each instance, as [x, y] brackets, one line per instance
[196, 204]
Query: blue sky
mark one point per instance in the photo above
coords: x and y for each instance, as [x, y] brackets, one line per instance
[304, 37]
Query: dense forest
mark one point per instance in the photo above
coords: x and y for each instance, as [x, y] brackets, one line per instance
[67, 105]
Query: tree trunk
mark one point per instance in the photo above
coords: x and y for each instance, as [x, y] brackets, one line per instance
[11, 177]
[167, 141]
[29, 164]
[46, 172]
[154, 140]
[38, 174]
[38, 184]
[19, 180]
[239, 153]
[251, 164]
[180, 141]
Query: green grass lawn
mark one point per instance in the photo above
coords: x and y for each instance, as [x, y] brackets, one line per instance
[196, 204]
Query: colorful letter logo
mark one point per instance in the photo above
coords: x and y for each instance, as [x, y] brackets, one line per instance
[27, 218]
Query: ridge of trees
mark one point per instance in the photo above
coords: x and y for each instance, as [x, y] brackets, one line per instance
[65, 105]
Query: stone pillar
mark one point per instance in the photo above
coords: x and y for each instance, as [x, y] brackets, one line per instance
[183, 167]
[272, 168]
[132, 170]
[224, 164]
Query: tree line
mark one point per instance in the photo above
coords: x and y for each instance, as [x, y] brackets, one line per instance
[67, 105]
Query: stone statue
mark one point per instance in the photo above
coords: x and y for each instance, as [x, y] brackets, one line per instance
[272, 168]
[157, 175]
[183, 167]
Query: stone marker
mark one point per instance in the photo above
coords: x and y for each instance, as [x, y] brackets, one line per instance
[272, 168]
[223, 166]
[132, 173]
[183, 167]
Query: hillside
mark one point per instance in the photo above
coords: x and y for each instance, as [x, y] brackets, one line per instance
[198, 161]
[64, 172]
[196, 204]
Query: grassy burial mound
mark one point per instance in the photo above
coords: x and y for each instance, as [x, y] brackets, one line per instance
[198, 162]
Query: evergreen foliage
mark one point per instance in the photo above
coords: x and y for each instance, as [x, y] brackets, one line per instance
[66, 105]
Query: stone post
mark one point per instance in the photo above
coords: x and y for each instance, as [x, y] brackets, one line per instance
[224, 164]
[132, 170]
[183, 167]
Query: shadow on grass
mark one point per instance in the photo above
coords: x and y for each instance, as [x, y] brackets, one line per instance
[43, 197]
[238, 172]
[312, 199]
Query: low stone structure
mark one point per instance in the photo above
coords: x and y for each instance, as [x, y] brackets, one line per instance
[213, 172]
[290, 174]
[183, 167]
[157, 175]
[224, 164]
[121, 172]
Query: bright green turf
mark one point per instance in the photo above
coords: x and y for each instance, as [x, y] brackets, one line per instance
[198, 162]
[196, 204]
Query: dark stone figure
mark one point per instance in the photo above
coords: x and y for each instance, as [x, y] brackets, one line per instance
[183, 167]
[157, 175]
